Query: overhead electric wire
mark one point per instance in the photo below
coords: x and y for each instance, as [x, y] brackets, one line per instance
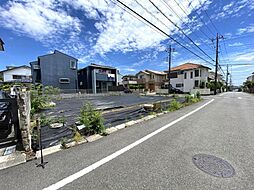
[159, 32]
[181, 30]
[216, 29]
[184, 11]
[156, 18]
[163, 32]
[200, 18]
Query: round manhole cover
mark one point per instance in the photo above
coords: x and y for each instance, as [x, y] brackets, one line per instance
[213, 165]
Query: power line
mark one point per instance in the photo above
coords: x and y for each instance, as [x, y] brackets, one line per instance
[162, 31]
[156, 18]
[200, 18]
[216, 29]
[183, 9]
[181, 30]
[159, 32]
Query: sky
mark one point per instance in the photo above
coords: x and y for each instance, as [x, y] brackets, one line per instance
[104, 32]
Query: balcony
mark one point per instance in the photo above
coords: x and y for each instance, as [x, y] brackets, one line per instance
[141, 81]
[130, 82]
[105, 77]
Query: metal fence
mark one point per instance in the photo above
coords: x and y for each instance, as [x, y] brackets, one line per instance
[9, 122]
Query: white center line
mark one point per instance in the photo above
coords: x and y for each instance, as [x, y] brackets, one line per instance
[99, 163]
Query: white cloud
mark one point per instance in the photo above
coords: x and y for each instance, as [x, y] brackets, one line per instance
[39, 19]
[247, 29]
[247, 57]
[120, 31]
[49, 20]
[235, 44]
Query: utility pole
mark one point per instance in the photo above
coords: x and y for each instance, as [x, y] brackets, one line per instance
[217, 61]
[227, 79]
[169, 50]
[1, 45]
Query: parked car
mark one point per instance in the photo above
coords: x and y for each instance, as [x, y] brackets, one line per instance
[175, 90]
[5, 116]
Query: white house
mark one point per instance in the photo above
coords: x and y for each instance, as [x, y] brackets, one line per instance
[189, 76]
[17, 74]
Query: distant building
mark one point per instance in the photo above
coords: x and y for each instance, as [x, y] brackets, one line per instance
[152, 80]
[56, 69]
[129, 80]
[211, 77]
[97, 78]
[119, 78]
[189, 76]
[16, 74]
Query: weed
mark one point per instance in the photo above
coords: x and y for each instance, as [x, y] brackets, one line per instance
[92, 119]
[175, 105]
[63, 143]
[77, 136]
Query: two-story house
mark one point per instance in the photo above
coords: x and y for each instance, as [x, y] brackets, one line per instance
[152, 80]
[16, 74]
[129, 80]
[56, 69]
[97, 78]
[189, 76]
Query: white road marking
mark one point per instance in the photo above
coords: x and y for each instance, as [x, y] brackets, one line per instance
[240, 98]
[99, 163]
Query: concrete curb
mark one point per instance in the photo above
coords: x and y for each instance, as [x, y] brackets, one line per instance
[12, 160]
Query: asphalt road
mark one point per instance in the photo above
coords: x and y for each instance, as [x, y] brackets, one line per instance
[224, 128]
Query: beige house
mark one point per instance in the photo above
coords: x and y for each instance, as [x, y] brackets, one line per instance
[152, 80]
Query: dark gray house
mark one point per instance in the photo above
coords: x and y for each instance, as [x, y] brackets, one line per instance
[97, 78]
[56, 69]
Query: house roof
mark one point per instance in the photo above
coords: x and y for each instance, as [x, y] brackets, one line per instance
[129, 76]
[152, 71]
[156, 72]
[188, 66]
[24, 66]
[101, 66]
[56, 51]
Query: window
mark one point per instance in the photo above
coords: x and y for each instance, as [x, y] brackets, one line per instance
[64, 80]
[196, 73]
[185, 75]
[173, 75]
[196, 83]
[179, 85]
[17, 76]
[141, 76]
[191, 75]
[73, 64]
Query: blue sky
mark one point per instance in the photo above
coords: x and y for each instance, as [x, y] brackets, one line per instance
[99, 31]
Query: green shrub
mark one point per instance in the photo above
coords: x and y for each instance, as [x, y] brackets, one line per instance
[174, 105]
[92, 119]
[198, 95]
[50, 90]
[188, 98]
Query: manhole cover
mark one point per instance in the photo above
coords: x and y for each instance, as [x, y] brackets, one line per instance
[213, 165]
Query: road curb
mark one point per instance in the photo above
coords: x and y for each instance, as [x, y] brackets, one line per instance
[12, 160]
